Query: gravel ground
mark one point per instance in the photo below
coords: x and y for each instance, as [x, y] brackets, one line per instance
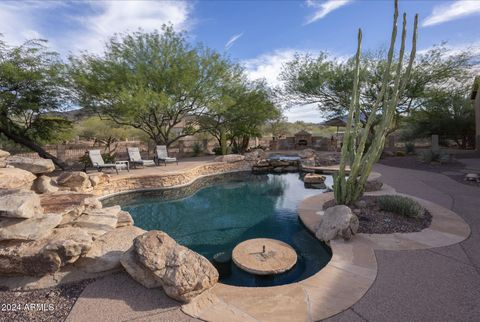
[375, 221]
[53, 304]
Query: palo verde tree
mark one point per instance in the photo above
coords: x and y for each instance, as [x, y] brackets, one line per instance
[326, 82]
[239, 114]
[360, 158]
[449, 113]
[155, 82]
[32, 87]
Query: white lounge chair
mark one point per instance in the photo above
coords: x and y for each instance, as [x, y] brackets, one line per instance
[135, 157]
[161, 155]
[98, 163]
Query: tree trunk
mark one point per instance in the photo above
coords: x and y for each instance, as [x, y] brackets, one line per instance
[223, 141]
[245, 142]
[34, 147]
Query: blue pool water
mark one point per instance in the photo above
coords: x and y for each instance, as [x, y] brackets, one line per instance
[218, 217]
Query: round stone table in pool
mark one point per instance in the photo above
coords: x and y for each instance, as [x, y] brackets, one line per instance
[264, 256]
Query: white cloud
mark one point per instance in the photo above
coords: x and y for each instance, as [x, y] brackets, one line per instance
[456, 10]
[18, 20]
[306, 113]
[268, 66]
[89, 23]
[324, 8]
[112, 17]
[232, 40]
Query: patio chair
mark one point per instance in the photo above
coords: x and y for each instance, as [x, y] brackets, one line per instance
[98, 163]
[161, 155]
[135, 157]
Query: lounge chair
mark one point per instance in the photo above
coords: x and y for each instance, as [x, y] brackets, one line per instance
[161, 155]
[136, 158]
[98, 163]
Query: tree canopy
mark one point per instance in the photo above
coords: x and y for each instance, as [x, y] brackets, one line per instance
[449, 114]
[155, 82]
[327, 82]
[32, 86]
[240, 114]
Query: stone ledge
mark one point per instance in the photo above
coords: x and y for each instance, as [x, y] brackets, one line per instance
[167, 180]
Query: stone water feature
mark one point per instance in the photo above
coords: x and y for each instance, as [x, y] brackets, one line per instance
[264, 256]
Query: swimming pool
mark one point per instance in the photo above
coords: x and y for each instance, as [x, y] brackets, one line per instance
[217, 215]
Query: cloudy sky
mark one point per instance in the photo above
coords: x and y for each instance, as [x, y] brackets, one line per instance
[262, 35]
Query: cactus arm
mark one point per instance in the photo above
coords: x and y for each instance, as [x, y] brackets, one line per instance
[361, 161]
[355, 167]
[339, 179]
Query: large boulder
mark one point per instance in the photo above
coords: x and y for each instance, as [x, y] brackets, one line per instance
[255, 155]
[46, 255]
[124, 219]
[313, 178]
[307, 154]
[138, 271]
[3, 158]
[373, 185]
[75, 181]
[37, 166]
[99, 178]
[95, 222]
[184, 274]
[337, 221]
[19, 204]
[12, 178]
[4, 154]
[230, 158]
[64, 201]
[107, 250]
[44, 184]
[28, 229]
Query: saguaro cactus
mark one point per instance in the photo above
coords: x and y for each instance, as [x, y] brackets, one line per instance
[360, 159]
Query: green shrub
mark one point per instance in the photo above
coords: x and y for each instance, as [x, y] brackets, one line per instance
[218, 151]
[401, 205]
[400, 154]
[197, 149]
[410, 148]
[429, 156]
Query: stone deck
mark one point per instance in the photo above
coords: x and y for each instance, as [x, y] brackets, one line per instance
[421, 283]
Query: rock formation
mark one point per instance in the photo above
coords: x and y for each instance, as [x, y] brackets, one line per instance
[337, 221]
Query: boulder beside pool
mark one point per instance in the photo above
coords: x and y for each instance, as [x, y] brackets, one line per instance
[181, 272]
[337, 222]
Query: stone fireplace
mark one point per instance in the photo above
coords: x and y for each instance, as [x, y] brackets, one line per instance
[303, 140]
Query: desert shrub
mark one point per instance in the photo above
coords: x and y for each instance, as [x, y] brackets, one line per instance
[218, 150]
[400, 154]
[410, 148]
[401, 205]
[429, 156]
[197, 149]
